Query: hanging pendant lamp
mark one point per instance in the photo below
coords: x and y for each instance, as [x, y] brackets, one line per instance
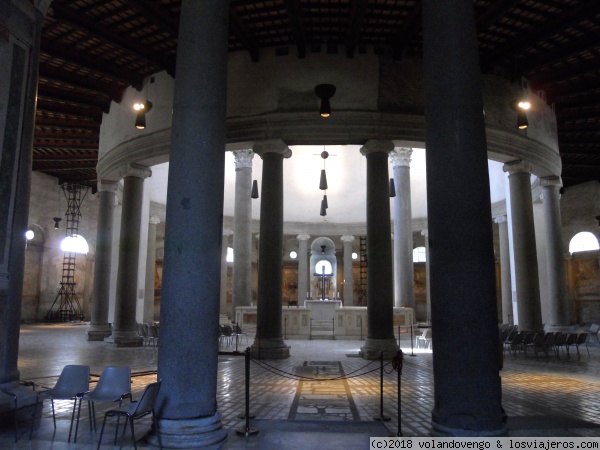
[323, 182]
[392, 188]
[254, 193]
[323, 211]
[324, 201]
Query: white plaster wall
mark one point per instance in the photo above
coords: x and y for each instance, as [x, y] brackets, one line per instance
[542, 258]
[114, 265]
[141, 282]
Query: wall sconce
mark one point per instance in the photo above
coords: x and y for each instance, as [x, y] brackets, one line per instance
[325, 92]
[56, 222]
[254, 193]
[521, 106]
[142, 109]
[392, 188]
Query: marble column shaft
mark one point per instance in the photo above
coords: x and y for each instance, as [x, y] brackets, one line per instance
[150, 269]
[242, 230]
[223, 309]
[505, 279]
[467, 398]
[124, 333]
[186, 406]
[380, 278]
[348, 274]
[303, 289]
[107, 196]
[268, 343]
[527, 285]
[558, 314]
[404, 272]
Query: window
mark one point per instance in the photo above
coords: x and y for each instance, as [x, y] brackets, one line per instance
[323, 264]
[419, 254]
[583, 242]
[75, 244]
[229, 257]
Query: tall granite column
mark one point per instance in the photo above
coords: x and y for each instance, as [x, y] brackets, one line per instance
[505, 282]
[148, 315]
[268, 343]
[242, 230]
[380, 277]
[303, 289]
[467, 399]
[186, 406]
[404, 272]
[527, 285]
[107, 196]
[223, 289]
[19, 57]
[124, 333]
[425, 234]
[348, 274]
[558, 316]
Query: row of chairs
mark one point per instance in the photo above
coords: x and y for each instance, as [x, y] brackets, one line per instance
[149, 332]
[555, 342]
[114, 385]
[229, 333]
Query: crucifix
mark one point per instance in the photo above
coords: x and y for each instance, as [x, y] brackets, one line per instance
[323, 275]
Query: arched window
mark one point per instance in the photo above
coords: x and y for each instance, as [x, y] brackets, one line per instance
[419, 254]
[583, 242]
[75, 244]
[323, 264]
[229, 257]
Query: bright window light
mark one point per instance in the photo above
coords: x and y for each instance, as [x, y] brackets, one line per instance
[354, 255]
[583, 242]
[75, 244]
[323, 264]
[229, 257]
[29, 235]
[419, 254]
[293, 254]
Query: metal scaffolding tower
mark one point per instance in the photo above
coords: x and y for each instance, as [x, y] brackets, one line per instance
[69, 307]
[362, 294]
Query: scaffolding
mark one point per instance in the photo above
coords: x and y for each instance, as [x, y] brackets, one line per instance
[362, 293]
[69, 307]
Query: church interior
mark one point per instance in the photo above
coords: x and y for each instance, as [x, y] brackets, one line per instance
[337, 181]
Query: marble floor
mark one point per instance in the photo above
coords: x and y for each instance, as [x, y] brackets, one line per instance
[323, 395]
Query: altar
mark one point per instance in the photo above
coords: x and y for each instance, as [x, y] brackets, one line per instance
[322, 309]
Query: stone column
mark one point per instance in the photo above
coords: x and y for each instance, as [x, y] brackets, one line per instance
[19, 57]
[268, 343]
[425, 234]
[223, 289]
[107, 197]
[404, 271]
[505, 282]
[348, 274]
[527, 285]
[242, 230]
[124, 333]
[380, 277]
[150, 269]
[462, 265]
[186, 406]
[558, 303]
[303, 288]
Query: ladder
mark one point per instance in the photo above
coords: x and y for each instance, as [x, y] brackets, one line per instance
[362, 294]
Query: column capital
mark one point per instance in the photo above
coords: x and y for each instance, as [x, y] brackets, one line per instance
[500, 219]
[347, 238]
[518, 166]
[135, 170]
[376, 146]
[108, 186]
[243, 159]
[272, 146]
[551, 181]
[154, 220]
[303, 237]
[400, 156]
[227, 232]
[425, 232]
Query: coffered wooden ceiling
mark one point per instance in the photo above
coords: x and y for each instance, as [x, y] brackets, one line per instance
[92, 50]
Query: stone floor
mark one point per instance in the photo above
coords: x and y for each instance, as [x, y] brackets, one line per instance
[323, 395]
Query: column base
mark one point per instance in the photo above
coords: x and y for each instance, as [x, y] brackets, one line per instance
[269, 348]
[98, 332]
[443, 431]
[125, 339]
[205, 432]
[373, 348]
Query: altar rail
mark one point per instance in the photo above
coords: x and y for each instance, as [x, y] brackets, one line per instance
[350, 321]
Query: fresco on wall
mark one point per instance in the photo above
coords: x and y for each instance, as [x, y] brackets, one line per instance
[290, 285]
[586, 277]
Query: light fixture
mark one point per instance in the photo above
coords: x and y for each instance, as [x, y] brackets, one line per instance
[325, 92]
[142, 109]
[29, 235]
[293, 254]
[392, 188]
[520, 106]
[323, 211]
[354, 255]
[254, 193]
[325, 201]
[56, 222]
[522, 122]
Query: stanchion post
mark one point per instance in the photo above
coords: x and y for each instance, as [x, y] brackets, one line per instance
[237, 336]
[381, 416]
[246, 431]
[412, 338]
[397, 363]
[285, 327]
[360, 327]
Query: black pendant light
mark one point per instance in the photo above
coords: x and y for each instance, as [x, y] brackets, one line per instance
[254, 193]
[325, 92]
[392, 188]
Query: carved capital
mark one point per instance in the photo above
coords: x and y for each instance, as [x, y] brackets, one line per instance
[376, 146]
[518, 166]
[348, 238]
[501, 219]
[272, 146]
[108, 186]
[154, 220]
[243, 159]
[135, 170]
[551, 181]
[303, 237]
[400, 157]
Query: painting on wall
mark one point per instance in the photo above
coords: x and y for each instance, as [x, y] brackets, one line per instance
[290, 285]
[586, 277]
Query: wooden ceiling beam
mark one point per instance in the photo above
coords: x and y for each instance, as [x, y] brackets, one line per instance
[63, 159]
[241, 32]
[592, 112]
[78, 122]
[93, 86]
[409, 30]
[64, 144]
[355, 21]
[45, 90]
[297, 23]
[152, 14]
[68, 110]
[493, 14]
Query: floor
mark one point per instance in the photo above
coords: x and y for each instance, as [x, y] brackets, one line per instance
[323, 395]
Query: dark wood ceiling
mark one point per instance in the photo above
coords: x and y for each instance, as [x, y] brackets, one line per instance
[92, 50]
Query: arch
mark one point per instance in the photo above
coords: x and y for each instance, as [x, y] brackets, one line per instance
[419, 254]
[583, 242]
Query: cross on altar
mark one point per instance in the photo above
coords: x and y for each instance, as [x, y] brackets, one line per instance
[323, 275]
